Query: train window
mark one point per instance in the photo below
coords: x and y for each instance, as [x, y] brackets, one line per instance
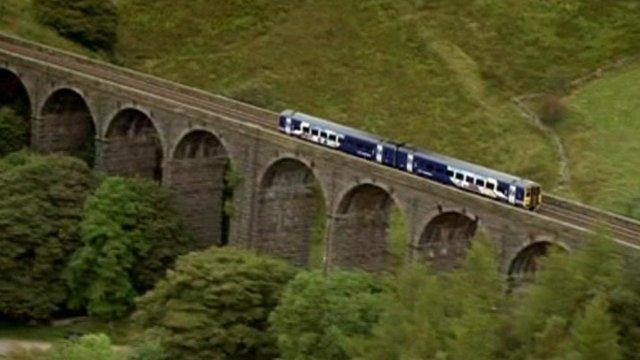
[449, 173]
[479, 182]
[429, 167]
[315, 132]
[332, 137]
[491, 186]
[459, 176]
[470, 180]
[323, 135]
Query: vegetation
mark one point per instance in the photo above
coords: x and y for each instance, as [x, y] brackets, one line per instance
[41, 201]
[92, 346]
[131, 234]
[215, 305]
[14, 131]
[92, 23]
[317, 313]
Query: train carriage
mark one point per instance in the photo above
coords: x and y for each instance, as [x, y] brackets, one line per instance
[430, 165]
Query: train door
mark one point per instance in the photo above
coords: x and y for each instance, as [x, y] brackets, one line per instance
[410, 163]
[379, 150]
[287, 125]
[512, 194]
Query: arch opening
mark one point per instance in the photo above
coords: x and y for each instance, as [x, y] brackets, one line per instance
[15, 100]
[446, 239]
[526, 263]
[291, 213]
[362, 228]
[201, 180]
[67, 126]
[132, 146]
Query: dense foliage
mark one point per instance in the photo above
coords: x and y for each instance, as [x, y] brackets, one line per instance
[92, 23]
[41, 202]
[130, 234]
[215, 305]
[318, 312]
[14, 131]
[448, 315]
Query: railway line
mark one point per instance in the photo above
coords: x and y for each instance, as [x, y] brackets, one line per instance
[625, 230]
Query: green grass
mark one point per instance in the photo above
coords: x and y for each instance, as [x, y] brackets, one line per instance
[603, 138]
[121, 332]
[436, 73]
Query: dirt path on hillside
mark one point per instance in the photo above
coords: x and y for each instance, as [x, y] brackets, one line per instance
[7, 346]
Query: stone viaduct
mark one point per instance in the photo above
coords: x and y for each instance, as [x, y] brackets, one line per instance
[244, 183]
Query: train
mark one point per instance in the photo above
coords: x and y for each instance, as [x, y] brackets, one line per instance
[470, 177]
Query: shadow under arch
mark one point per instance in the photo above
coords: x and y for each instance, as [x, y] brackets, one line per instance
[446, 238]
[67, 125]
[360, 235]
[523, 267]
[14, 95]
[291, 212]
[196, 176]
[132, 146]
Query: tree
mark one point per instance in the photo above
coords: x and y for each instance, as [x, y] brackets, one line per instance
[594, 335]
[92, 23]
[447, 315]
[318, 312]
[130, 235]
[14, 131]
[594, 270]
[215, 305]
[41, 200]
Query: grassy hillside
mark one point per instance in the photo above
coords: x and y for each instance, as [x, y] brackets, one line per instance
[436, 73]
[603, 138]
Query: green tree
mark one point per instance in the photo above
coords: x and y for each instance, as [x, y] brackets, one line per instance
[317, 312]
[625, 308]
[594, 269]
[92, 23]
[447, 315]
[130, 235]
[215, 305]
[14, 131]
[594, 335]
[41, 201]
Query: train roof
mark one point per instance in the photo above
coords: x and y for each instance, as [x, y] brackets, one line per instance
[447, 160]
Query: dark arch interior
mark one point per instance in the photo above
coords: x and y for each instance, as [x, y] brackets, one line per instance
[361, 229]
[14, 95]
[134, 146]
[524, 266]
[202, 181]
[291, 211]
[68, 126]
[446, 238]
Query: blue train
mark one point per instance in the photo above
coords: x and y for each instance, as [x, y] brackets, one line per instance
[444, 169]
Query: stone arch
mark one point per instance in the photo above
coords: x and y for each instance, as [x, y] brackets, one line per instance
[196, 177]
[361, 228]
[132, 146]
[446, 238]
[66, 125]
[14, 95]
[291, 212]
[524, 265]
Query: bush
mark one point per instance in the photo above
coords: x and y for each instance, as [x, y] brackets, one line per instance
[131, 234]
[14, 131]
[317, 313]
[552, 110]
[92, 23]
[41, 200]
[88, 347]
[215, 305]
[443, 316]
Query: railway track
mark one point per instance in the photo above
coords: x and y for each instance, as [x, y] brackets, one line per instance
[624, 230]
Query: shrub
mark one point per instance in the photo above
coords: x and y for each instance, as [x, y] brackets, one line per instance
[552, 110]
[92, 23]
[41, 200]
[88, 347]
[215, 305]
[318, 312]
[131, 234]
[14, 131]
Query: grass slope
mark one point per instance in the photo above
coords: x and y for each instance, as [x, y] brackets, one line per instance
[435, 73]
[603, 138]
